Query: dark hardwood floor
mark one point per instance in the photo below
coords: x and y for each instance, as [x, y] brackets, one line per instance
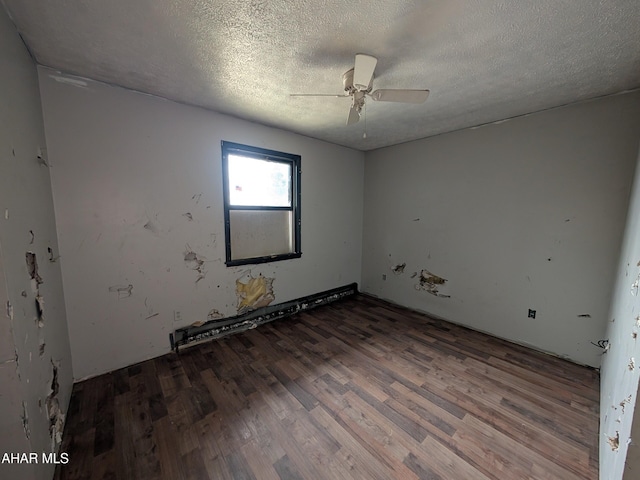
[358, 389]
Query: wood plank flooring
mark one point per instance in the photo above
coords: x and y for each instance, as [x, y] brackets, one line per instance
[359, 389]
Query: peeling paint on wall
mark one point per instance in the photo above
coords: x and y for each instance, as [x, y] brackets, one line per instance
[56, 417]
[399, 269]
[214, 314]
[614, 442]
[632, 364]
[195, 262]
[254, 292]
[431, 283]
[9, 310]
[40, 309]
[123, 291]
[52, 257]
[624, 403]
[32, 267]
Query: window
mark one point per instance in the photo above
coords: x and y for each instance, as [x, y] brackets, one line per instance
[261, 204]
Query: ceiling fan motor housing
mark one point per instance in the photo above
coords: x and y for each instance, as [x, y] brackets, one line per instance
[350, 88]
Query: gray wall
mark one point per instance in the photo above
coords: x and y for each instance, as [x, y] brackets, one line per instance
[619, 374]
[123, 160]
[632, 463]
[524, 214]
[29, 346]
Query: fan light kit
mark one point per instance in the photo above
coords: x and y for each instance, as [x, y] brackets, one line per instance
[358, 84]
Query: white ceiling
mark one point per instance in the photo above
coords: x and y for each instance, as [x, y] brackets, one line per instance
[483, 60]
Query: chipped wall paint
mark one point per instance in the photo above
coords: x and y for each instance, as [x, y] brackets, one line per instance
[168, 163]
[493, 204]
[431, 283]
[28, 342]
[619, 374]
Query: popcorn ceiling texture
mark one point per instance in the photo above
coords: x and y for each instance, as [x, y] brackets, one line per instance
[482, 60]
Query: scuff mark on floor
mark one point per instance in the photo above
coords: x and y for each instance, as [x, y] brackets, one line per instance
[123, 291]
[254, 292]
[614, 442]
[431, 283]
[32, 267]
[399, 269]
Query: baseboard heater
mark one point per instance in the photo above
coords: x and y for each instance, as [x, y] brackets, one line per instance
[239, 323]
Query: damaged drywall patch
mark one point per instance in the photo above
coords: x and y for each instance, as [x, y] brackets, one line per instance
[431, 283]
[399, 269]
[56, 417]
[195, 262]
[254, 292]
[32, 267]
[123, 291]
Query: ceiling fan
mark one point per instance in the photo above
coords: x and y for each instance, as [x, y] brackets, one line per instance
[358, 83]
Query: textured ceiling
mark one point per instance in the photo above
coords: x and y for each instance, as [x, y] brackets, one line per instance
[482, 60]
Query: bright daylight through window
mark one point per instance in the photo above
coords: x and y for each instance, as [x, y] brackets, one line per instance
[261, 204]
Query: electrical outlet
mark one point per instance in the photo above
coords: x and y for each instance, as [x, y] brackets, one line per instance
[532, 313]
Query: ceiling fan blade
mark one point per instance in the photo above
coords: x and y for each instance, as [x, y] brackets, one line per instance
[404, 96]
[363, 71]
[318, 95]
[354, 116]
